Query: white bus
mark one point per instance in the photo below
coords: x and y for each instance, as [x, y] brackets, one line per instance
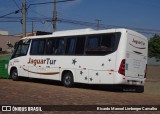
[113, 56]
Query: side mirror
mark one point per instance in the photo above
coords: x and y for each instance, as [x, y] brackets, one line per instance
[15, 45]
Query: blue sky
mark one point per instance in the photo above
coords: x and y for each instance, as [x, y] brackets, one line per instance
[125, 13]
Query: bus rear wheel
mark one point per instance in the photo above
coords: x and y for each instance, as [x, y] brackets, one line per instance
[140, 89]
[14, 75]
[67, 79]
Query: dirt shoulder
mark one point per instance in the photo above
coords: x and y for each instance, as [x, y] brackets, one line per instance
[39, 92]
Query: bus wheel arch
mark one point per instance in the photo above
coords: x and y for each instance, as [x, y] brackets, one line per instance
[67, 78]
[14, 74]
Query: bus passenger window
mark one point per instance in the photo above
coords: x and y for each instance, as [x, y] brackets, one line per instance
[71, 46]
[37, 47]
[93, 45]
[93, 42]
[59, 47]
[50, 47]
[80, 45]
[103, 44]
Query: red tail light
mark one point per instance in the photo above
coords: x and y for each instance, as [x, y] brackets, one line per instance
[122, 67]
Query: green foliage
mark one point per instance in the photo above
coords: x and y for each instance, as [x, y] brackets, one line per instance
[154, 46]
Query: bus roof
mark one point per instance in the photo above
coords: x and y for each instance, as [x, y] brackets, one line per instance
[79, 32]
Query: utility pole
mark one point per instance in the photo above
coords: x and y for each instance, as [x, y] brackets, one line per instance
[24, 17]
[54, 17]
[98, 23]
[32, 28]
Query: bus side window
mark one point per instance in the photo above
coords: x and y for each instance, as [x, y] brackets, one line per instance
[108, 42]
[75, 45]
[102, 44]
[71, 46]
[50, 47]
[37, 47]
[93, 45]
[93, 42]
[59, 50]
[80, 45]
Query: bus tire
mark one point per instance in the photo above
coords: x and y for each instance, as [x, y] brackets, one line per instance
[14, 74]
[140, 89]
[67, 79]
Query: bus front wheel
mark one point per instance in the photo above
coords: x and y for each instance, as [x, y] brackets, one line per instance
[14, 74]
[67, 79]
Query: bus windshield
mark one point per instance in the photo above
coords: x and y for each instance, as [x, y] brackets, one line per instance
[21, 48]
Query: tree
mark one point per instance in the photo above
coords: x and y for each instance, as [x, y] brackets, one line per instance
[154, 46]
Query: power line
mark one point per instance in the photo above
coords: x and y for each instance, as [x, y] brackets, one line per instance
[103, 26]
[14, 12]
[16, 4]
[69, 21]
[54, 12]
[81, 23]
[43, 3]
[24, 8]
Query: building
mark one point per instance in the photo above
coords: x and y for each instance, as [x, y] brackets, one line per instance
[6, 40]
[3, 32]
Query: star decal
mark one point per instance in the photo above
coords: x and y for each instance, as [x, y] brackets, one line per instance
[86, 78]
[74, 61]
[81, 72]
[109, 60]
[97, 74]
[91, 79]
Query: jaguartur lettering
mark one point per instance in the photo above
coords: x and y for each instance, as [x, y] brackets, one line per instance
[138, 42]
[41, 61]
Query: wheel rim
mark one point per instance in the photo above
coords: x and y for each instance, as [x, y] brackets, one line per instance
[14, 74]
[67, 80]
